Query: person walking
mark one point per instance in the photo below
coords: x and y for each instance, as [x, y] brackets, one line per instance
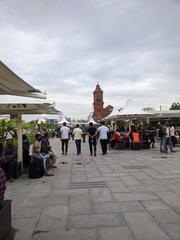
[92, 132]
[77, 135]
[103, 136]
[64, 136]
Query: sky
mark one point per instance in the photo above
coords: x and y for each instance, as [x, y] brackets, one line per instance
[64, 47]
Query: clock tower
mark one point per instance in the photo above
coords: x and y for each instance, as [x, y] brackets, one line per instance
[99, 111]
[98, 102]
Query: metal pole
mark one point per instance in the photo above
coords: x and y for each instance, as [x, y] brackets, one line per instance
[19, 138]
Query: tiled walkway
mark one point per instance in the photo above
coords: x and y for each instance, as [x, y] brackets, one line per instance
[124, 195]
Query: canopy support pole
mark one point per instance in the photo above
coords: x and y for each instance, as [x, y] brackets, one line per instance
[19, 138]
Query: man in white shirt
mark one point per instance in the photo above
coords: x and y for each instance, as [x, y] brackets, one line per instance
[103, 136]
[172, 134]
[77, 135]
[64, 136]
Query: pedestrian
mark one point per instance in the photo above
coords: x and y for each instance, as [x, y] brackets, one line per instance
[83, 128]
[77, 135]
[92, 134]
[8, 161]
[64, 136]
[103, 136]
[172, 134]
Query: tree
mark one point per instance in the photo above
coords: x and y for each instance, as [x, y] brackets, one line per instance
[175, 106]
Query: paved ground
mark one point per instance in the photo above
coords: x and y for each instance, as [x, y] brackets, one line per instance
[124, 195]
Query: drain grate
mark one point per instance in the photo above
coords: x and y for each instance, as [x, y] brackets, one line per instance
[88, 184]
[136, 167]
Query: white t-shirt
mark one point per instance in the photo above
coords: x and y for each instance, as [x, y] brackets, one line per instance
[77, 132]
[103, 132]
[172, 131]
[65, 131]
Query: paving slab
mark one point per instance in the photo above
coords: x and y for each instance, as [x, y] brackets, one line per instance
[173, 230]
[123, 195]
[80, 204]
[116, 207]
[96, 220]
[143, 226]
[116, 233]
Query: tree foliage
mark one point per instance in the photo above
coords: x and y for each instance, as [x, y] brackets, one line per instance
[175, 106]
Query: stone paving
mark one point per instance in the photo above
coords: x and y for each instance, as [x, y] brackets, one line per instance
[124, 195]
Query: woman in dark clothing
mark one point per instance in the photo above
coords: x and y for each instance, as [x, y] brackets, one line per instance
[26, 146]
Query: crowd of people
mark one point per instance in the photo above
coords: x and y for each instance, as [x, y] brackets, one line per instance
[43, 158]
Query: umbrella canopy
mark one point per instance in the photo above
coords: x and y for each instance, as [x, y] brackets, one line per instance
[18, 106]
[12, 105]
[12, 84]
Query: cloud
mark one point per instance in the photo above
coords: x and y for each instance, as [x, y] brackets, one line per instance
[130, 47]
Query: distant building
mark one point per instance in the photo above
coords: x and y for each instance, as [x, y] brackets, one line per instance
[99, 111]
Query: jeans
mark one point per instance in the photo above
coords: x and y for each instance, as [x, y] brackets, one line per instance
[78, 145]
[92, 144]
[104, 145]
[65, 143]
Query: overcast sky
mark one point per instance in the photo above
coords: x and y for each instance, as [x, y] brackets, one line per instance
[64, 47]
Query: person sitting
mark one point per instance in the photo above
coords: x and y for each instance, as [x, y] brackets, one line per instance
[144, 139]
[26, 147]
[47, 150]
[2, 185]
[8, 160]
[39, 164]
[116, 138]
[135, 139]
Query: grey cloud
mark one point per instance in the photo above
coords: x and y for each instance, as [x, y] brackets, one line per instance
[130, 47]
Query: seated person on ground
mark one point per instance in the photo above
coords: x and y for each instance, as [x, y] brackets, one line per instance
[134, 136]
[116, 138]
[144, 139]
[2, 185]
[8, 160]
[47, 150]
[39, 165]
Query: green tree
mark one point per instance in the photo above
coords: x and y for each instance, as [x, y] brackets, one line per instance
[175, 106]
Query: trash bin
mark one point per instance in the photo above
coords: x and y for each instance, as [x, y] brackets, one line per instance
[5, 219]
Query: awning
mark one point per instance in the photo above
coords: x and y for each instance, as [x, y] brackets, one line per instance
[20, 105]
[12, 84]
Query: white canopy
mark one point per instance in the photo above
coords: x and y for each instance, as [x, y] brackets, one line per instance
[18, 106]
[92, 120]
[24, 105]
[131, 110]
[63, 120]
[113, 114]
[12, 84]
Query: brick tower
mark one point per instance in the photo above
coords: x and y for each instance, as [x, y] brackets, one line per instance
[98, 102]
[99, 111]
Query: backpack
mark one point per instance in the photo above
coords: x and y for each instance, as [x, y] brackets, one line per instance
[36, 169]
[161, 132]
